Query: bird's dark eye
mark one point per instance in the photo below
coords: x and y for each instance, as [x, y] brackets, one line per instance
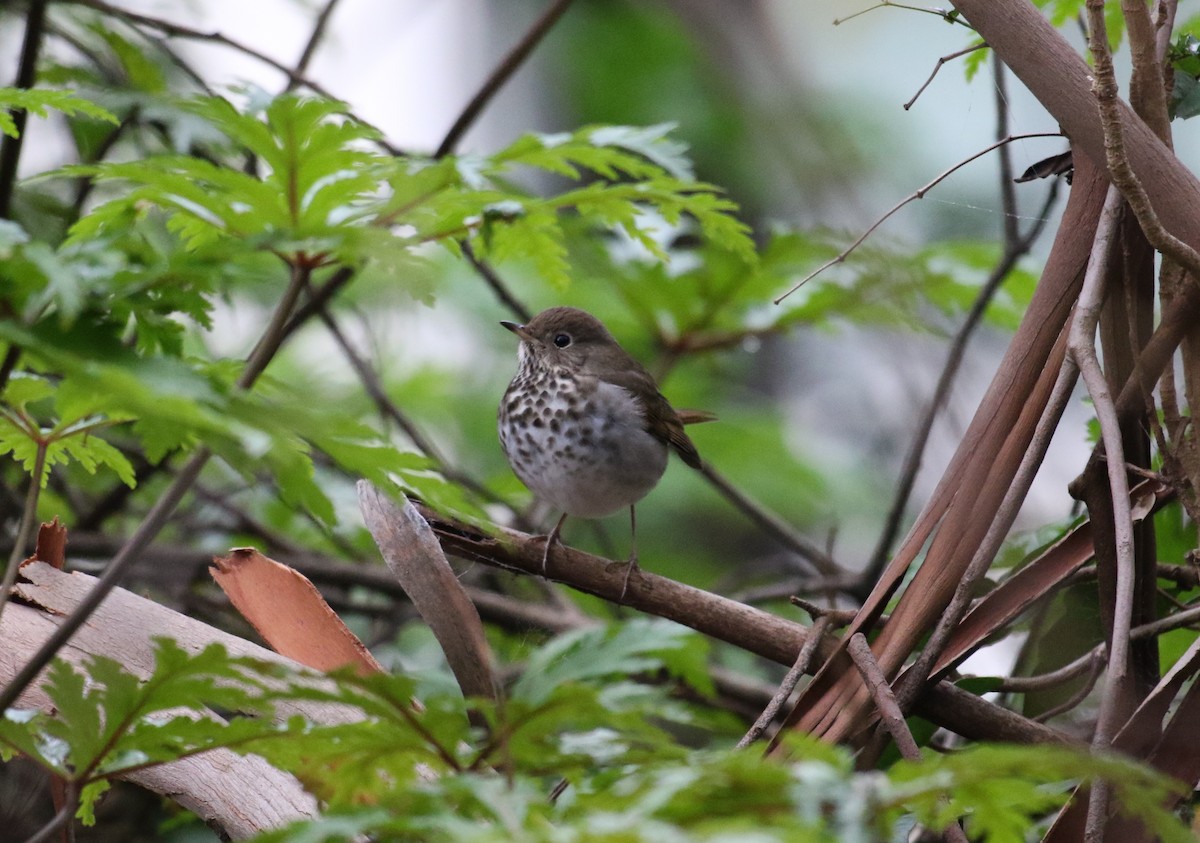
[562, 340]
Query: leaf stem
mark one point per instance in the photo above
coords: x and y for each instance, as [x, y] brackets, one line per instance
[25, 532]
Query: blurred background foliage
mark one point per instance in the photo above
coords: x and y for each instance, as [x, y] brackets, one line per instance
[817, 397]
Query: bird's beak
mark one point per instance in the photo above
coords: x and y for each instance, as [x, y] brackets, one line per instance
[519, 330]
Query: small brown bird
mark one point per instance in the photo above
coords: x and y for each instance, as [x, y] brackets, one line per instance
[583, 425]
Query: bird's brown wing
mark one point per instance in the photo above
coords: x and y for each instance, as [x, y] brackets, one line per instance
[661, 419]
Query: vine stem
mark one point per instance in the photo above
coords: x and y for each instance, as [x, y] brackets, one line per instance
[1081, 348]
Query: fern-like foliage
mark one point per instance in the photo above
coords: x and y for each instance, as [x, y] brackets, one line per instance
[297, 183]
[106, 722]
[450, 769]
[41, 101]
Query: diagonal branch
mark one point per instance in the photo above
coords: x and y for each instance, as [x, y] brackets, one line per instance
[919, 193]
[176, 30]
[500, 75]
[314, 41]
[954, 357]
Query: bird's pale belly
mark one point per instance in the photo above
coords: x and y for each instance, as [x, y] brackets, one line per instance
[587, 461]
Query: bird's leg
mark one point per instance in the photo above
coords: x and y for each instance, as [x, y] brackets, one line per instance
[550, 540]
[632, 563]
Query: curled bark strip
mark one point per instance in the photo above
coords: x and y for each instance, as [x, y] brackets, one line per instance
[289, 613]
[413, 554]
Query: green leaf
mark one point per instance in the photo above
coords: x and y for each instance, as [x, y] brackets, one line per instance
[92, 452]
[974, 60]
[636, 646]
[143, 73]
[41, 100]
[26, 388]
[107, 721]
[1185, 97]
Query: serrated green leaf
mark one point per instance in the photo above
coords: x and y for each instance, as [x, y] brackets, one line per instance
[619, 649]
[143, 74]
[92, 451]
[974, 61]
[41, 100]
[25, 388]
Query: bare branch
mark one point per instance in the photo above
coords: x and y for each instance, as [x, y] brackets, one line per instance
[937, 68]
[501, 74]
[1025, 684]
[176, 30]
[485, 270]
[803, 661]
[1082, 350]
[1094, 669]
[772, 524]
[388, 409]
[954, 357]
[1007, 185]
[883, 4]
[881, 692]
[917, 194]
[762, 633]
[314, 40]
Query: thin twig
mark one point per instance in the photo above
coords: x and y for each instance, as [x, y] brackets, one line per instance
[319, 298]
[803, 660]
[772, 524]
[917, 194]
[501, 74]
[485, 270]
[786, 588]
[60, 819]
[947, 16]
[1082, 349]
[924, 428]
[1008, 187]
[881, 692]
[841, 617]
[314, 40]
[11, 356]
[85, 184]
[1146, 91]
[1164, 26]
[1075, 699]
[1187, 617]
[387, 408]
[1105, 89]
[1049, 679]
[937, 67]
[471, 112]
[180, 31]
[890, 714]
[25, 530]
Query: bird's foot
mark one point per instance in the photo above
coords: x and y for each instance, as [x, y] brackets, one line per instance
[550, 540]
[631, 565]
